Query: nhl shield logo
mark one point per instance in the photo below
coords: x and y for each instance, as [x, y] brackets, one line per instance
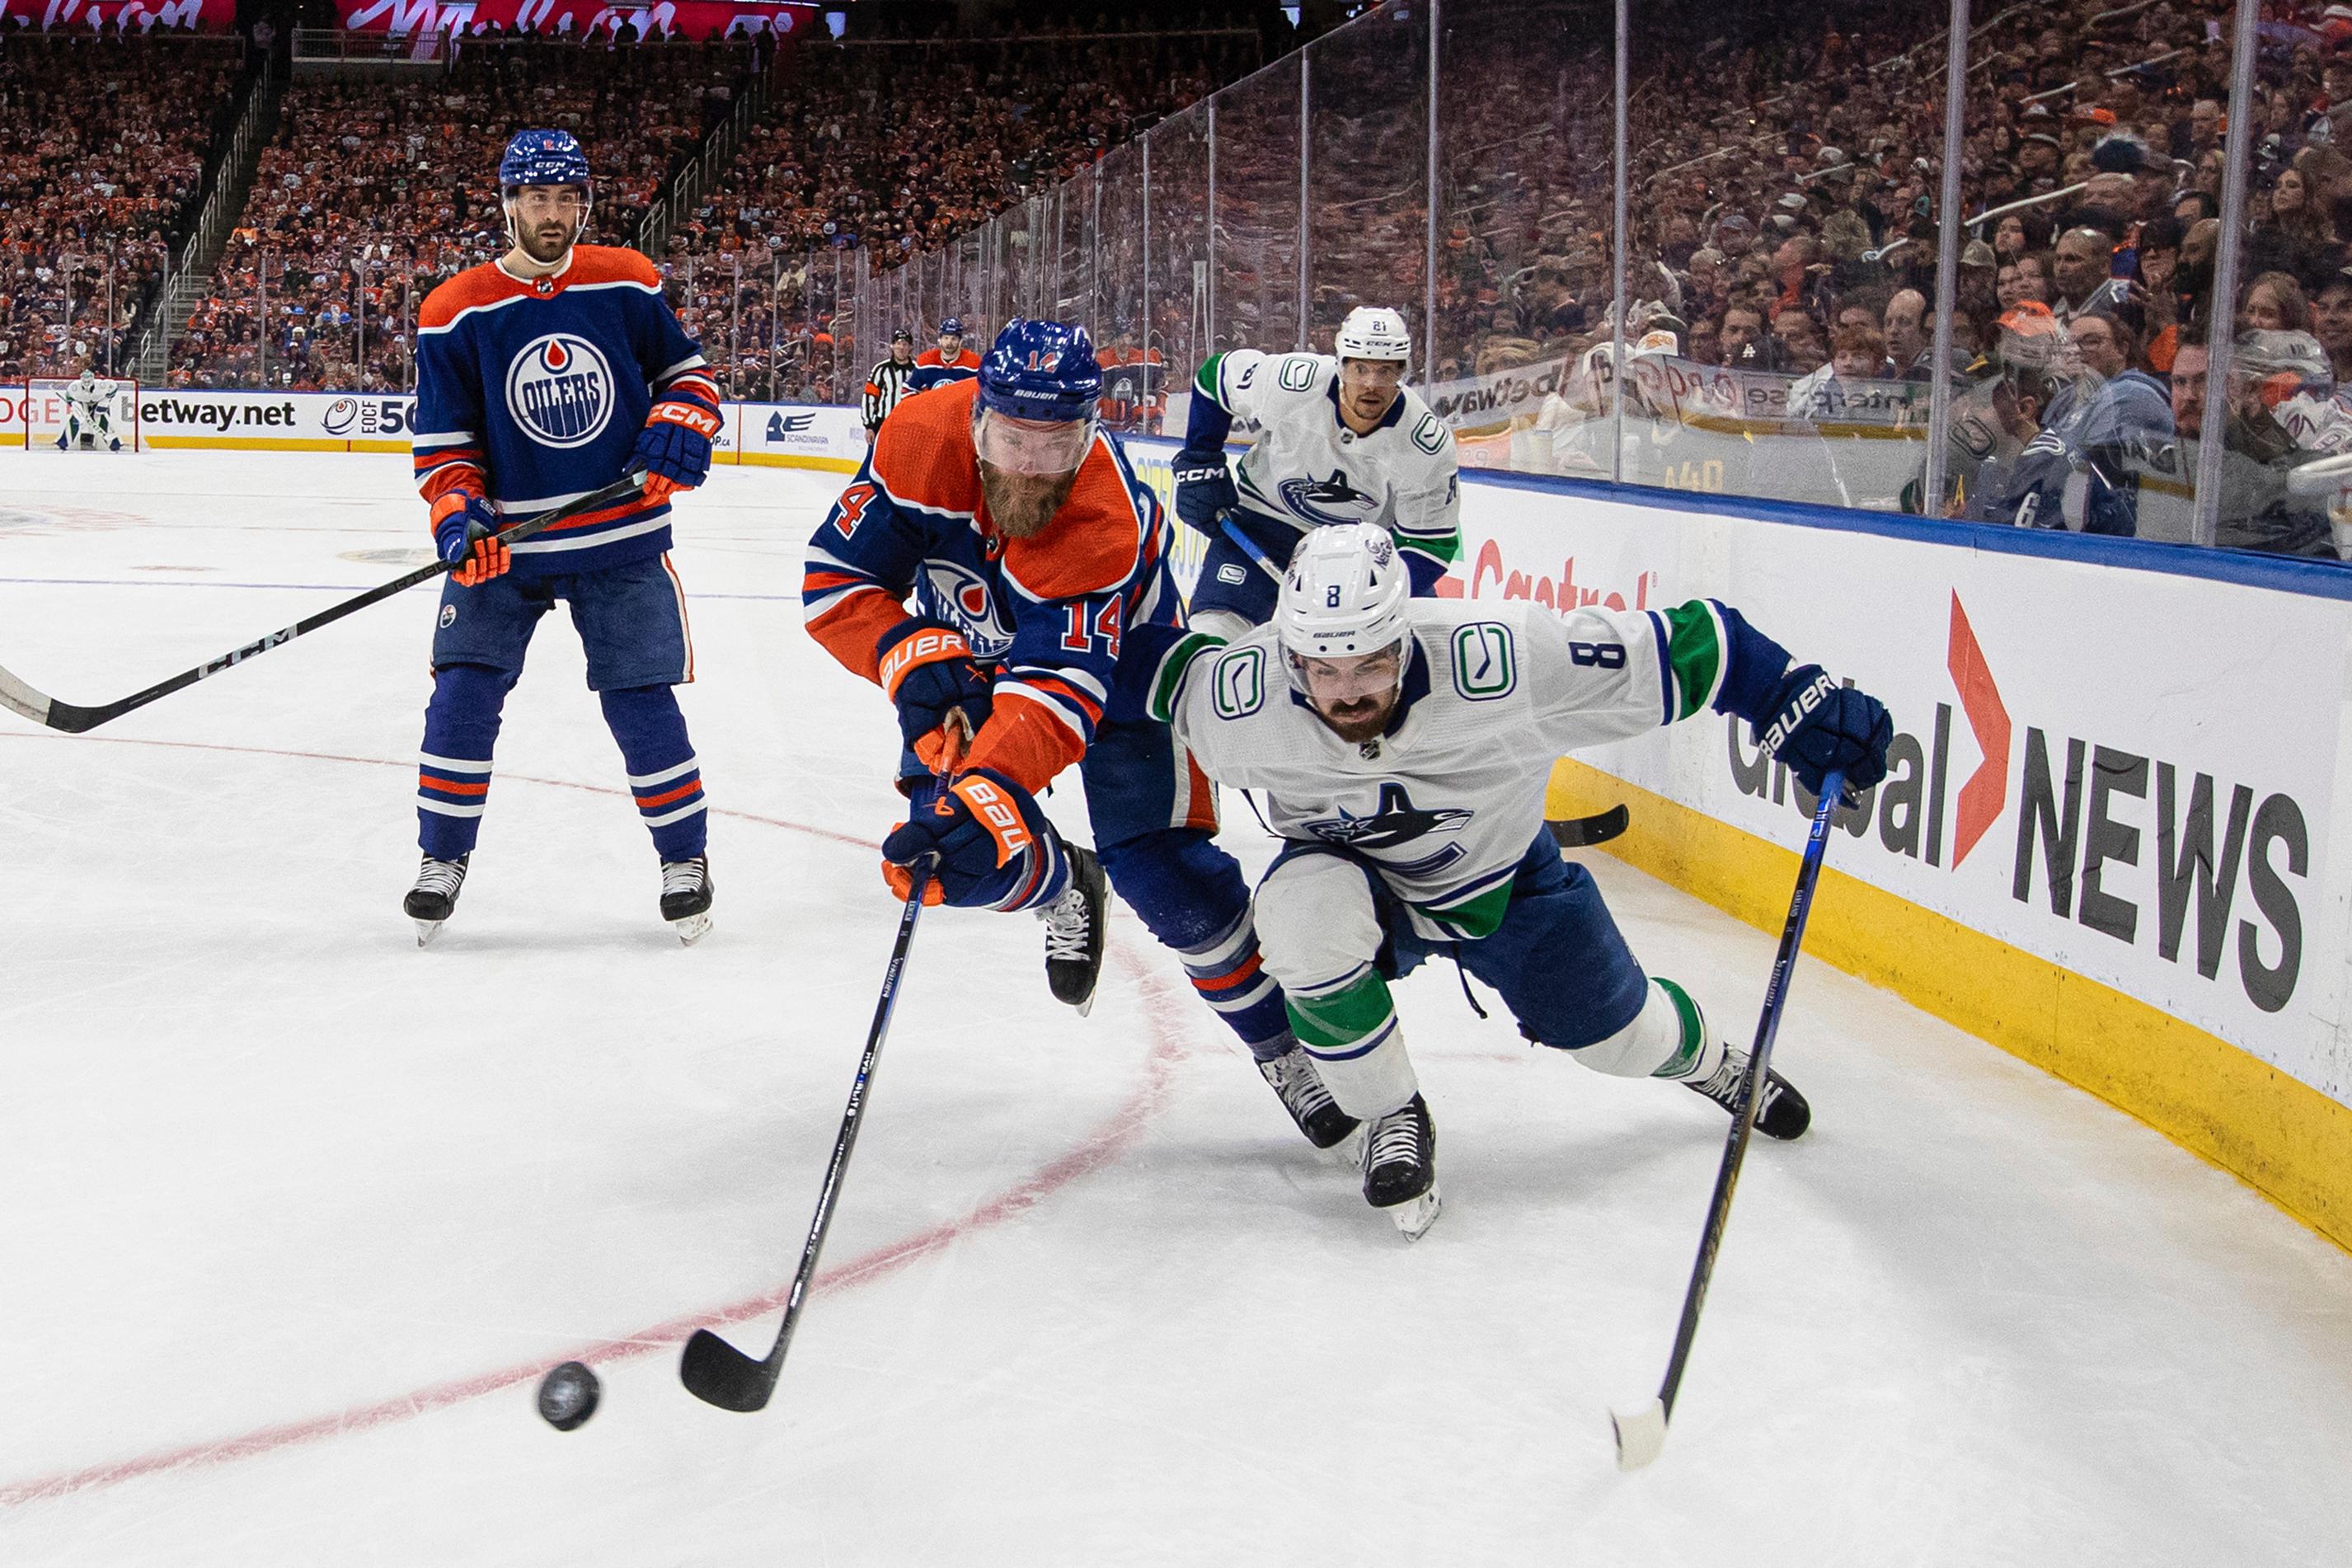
[560, 390]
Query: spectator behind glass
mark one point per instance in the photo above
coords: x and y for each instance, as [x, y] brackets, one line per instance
[2331, 323]
[2256, 513]
[2036, 280]
[2274, 302]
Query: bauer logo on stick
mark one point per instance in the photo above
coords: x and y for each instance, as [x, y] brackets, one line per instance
[560, 390]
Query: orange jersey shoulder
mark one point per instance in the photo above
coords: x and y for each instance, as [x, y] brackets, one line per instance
[1093, 542]
[924, 455]
[610, 264]
[474, 287]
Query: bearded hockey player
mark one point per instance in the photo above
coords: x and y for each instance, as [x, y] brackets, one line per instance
[90, 415]
[540, 377]
[1341, 440]
[1402, 747]
[1031, 552]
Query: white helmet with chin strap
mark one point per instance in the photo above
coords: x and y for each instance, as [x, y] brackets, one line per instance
[1344, 596]
[1374, 333]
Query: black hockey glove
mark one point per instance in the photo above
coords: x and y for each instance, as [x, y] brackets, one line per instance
[926, 669]
[1205, 488]
[995, 848]
[1818, 727]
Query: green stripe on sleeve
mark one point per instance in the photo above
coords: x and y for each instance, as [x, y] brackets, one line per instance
[1165, 684]
[1443, 548]
[1206, 380]
[1695, 653]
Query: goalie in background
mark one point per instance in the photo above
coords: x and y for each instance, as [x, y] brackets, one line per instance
[90, 415]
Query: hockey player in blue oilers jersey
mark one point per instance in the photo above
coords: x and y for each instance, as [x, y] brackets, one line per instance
[1401, 748]
[947, 363]
[1030, 551]
[1340, 439]
[540, 378]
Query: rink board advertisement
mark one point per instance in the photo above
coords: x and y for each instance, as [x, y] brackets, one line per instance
[2118, 774]
[774, 434]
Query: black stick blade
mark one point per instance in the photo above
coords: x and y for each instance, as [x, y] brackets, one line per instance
[1578, 832]
[718, 1374]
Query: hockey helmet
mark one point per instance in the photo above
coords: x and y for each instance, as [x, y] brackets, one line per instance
[952, 327]
[1374, 333]
[544, 158]
[1039, 387]
[1342, 602]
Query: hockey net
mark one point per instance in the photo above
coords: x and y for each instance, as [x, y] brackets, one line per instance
[44, 421]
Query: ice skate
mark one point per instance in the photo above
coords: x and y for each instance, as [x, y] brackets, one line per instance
[435, 898]
[1784, 1113]
[1400, 1167]
[1073, 932]
[685, 898]
[1300, 1087]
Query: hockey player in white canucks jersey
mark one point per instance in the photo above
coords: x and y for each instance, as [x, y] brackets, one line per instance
[90, 415]
[1402, 746]
[1341, 440]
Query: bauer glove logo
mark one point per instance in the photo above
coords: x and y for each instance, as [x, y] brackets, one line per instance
[1800, 707]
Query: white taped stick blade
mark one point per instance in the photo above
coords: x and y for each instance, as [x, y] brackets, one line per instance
[22, 699]
[1640, 1433]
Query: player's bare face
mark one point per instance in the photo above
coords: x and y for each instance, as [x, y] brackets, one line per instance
[547, 220]
[1367, 387]
[1355, 697]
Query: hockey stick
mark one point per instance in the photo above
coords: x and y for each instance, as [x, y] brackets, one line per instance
[1642, 1432]
[73, 718]
[714, 1371]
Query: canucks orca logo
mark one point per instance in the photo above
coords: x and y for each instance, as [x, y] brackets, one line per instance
[560, 390]
[960, 596]
[1308, 497]
[1395, 821]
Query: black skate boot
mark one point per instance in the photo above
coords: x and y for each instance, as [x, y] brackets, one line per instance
[1073, 932]
[1400, 1167]
[685, 898]
[1784, 1113]
[1294, 1079]
[435, 898]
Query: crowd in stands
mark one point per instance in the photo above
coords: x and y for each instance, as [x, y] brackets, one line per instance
[104, 142]
[373, 191]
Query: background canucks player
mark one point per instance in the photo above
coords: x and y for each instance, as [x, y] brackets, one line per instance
[1342, 440]
[540, 377]
[1402, 746]
[90, 415]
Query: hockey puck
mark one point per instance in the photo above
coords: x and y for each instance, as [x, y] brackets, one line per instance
[567, 1396]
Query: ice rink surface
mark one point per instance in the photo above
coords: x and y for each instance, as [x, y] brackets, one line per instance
[293, 1215]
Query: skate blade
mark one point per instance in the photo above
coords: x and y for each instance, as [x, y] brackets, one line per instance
[1087, 1005]
[1415, 1215]
[692, 929]
[1348, 1153]
[427, 931]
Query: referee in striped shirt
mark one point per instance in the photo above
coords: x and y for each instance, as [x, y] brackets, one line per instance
[886, 384]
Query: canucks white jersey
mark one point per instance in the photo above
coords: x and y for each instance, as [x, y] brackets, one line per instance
[1307, 468]
[1447, 802]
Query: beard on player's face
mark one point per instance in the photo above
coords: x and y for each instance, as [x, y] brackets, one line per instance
[544, 242]
[1021, 505]
[1356, 719]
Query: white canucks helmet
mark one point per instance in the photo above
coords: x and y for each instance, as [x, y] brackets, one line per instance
[1374, 333]
[1344, 596]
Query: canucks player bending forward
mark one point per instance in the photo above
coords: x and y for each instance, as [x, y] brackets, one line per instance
[1342, 440]
[1402, 746]
[540, 378]
[1031, 552]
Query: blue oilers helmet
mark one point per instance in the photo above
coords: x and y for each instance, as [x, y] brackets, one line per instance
[951, 327]
[1041, 370]
[543, 158]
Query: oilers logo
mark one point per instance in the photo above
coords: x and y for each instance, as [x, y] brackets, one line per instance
[342, 415]
[961, 597]
[560, 390]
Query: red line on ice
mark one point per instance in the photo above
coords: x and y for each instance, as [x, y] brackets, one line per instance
[1105, 1144]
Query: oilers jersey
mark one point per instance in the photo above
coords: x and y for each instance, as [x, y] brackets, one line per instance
[1047, 614]
[533, 393]
[931, 370]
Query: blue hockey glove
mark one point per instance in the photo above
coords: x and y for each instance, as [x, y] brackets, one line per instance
[927, 669]
[673, 448]
[1818, 727]
[995, 848]
[1205, 488]
[464, 530]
